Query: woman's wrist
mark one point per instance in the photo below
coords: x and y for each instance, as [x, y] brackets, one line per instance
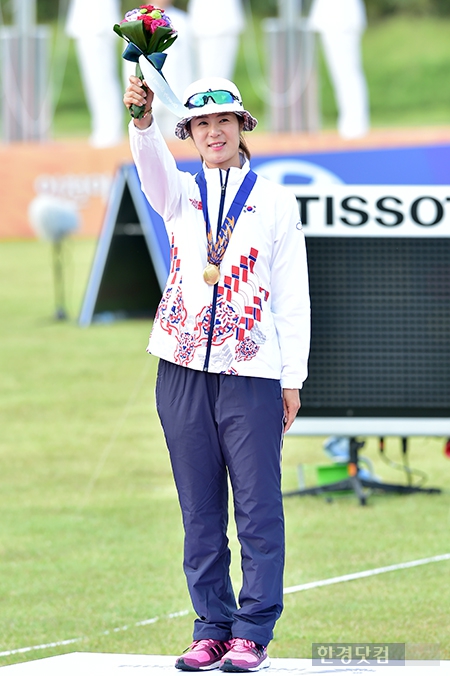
[143, 122]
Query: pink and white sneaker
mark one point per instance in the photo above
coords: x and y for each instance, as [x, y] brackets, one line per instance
[203, 655]
[245, 655]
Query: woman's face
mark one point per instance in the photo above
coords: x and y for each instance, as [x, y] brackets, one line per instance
[216, 137]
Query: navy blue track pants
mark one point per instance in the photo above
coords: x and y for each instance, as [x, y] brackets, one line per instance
[215, 426]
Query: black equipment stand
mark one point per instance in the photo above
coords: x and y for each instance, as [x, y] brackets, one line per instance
[358, 484]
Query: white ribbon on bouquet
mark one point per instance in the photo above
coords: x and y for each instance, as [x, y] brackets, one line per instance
[161, 88]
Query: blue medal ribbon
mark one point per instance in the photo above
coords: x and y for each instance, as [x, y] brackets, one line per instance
[216, 250]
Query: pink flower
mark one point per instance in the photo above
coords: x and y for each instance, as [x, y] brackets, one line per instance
[159, 22]
[152, 24]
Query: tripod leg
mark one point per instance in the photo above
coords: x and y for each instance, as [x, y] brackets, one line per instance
[353, 470]
[405, 460]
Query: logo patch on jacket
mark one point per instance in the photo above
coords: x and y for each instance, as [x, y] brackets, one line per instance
[196, 204]
[249, 209]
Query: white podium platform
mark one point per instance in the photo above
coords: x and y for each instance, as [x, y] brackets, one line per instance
[98, 664]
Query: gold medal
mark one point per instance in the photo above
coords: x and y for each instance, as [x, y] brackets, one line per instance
[211, 274]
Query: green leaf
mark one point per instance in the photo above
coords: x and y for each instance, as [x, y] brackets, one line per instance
[117, 29]
[158, 37]
[135, 33]
[169, 41]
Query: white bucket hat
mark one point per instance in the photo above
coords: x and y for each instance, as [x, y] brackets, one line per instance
[212, 95]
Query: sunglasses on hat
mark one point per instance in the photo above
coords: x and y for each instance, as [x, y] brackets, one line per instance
[219, 96]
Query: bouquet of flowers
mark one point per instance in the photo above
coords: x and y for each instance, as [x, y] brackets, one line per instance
[149, 32]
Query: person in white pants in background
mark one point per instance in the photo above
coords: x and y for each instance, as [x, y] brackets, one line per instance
[215, 26]
[90, 24]
[178, 68]
[341, 24]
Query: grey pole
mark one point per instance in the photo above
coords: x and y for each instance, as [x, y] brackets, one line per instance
[289, 11]
[24, 76]
[291, 52]
[24, 13]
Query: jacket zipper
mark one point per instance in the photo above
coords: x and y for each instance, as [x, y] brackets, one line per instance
[216, 286]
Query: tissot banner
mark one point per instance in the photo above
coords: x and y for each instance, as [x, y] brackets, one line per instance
[374, 210]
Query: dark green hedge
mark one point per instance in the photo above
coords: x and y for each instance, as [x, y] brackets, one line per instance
[377, 9]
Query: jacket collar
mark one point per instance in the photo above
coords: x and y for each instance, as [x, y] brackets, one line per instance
[236, 175]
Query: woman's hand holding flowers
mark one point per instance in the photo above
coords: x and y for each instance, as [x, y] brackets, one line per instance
[138, 93]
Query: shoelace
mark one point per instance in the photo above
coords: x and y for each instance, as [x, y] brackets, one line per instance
[241, 645]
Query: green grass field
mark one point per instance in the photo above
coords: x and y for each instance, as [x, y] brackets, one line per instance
[91, 538]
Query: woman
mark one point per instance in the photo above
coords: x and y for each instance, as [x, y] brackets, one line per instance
[216, 42]
[89, 24]
[341, 24]
[232, 335]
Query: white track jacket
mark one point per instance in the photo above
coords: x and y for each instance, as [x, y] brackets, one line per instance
[256, 320]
